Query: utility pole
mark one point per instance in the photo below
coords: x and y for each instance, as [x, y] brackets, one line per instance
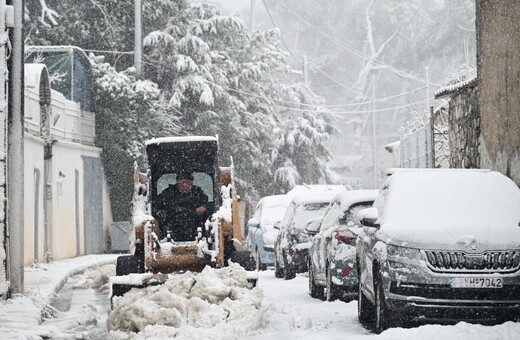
[138, 46]
[15, 164]
[252, 16]
[305, 71]
[427, 89]
[374, 151]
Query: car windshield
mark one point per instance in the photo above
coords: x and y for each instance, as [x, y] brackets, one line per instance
[352, 214]
[272, 214]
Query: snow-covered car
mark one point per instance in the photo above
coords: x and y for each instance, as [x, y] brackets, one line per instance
[293, 242]
[332, 255]
[440, 244]
[262, 233]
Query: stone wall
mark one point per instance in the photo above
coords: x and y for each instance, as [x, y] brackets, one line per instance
[464, 129]
[498, 68]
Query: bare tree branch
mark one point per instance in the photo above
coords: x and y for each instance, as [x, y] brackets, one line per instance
[49, 13]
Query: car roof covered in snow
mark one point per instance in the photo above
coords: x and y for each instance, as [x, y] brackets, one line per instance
[180, 139]
[319, 188]
[351, 197]
[312, 197]
[439, 199]
[275, 200]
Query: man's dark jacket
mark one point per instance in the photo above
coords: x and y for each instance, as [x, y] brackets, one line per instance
[172, 197]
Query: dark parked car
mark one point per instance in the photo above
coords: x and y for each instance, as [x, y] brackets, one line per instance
[292, 244]
[332, 255]
[440, 244]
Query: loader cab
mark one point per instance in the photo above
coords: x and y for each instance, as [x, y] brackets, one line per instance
[169, 156]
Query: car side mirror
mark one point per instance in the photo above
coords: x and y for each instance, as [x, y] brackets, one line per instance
[313, 225]
[253, 223]
[369, 217]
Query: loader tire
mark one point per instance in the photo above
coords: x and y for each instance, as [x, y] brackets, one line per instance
[127, 265]
[245, 259]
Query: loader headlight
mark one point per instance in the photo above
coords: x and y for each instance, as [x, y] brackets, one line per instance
[408, 253]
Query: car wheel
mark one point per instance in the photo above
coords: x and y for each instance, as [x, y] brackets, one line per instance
[278, 271]
[128, 264]
[365, 309]
[288, 269]
[314, 290]
[381, 315]
[333, 291]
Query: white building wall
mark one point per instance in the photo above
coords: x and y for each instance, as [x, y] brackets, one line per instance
[33, 215]
[64, 206]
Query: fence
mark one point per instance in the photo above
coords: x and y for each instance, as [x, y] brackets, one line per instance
[68, 121]
[424, 141]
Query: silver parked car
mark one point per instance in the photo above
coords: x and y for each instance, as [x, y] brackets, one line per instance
[440, 244]
[332, 255]
[292, 243]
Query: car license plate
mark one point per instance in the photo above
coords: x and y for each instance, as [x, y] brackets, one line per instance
[475, 282]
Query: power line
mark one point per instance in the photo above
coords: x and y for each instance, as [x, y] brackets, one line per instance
[292, 54]
[352, 50]
[308, 110]
[281, 37]
[295, 103]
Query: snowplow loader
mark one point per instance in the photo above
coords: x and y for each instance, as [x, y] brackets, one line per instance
[168, 239]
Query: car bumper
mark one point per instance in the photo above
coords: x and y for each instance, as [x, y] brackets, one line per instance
[416, 290]
[343, 267]
[299, 260]
[344, 273]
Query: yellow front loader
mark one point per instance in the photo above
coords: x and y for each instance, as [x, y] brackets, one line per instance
[163, 243]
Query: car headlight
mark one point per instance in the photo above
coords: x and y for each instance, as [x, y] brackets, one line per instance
[409, 253]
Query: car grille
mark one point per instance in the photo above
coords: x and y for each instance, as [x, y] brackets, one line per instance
[445, 292]
[491, 261]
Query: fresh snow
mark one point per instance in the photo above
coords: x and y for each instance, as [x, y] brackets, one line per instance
[422, 204]
[214, 304]
[180, 139]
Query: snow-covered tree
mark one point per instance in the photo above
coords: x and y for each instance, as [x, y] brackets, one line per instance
[213, 77]
[128, 111]
[221, 80]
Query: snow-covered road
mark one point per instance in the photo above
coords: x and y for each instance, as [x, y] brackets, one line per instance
[293, 314]
[286, 312]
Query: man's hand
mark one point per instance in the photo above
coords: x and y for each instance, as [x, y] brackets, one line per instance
[201, 210]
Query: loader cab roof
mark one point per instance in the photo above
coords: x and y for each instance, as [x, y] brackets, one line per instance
[170, 156]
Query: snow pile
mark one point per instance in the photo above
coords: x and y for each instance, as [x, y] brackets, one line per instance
[96, 278]
[212, 304]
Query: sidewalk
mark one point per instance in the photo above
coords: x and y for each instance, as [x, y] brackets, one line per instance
[23, 312]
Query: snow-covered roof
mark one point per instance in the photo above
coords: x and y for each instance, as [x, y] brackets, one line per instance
[273, 208]
[313, 197]
[391, 147]
[180, 139]
[392, 171]
[351, 197]
[434, 204]
[275, 200]
[316, 188]
[453, 88]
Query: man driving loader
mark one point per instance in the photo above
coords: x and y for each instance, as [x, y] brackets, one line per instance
[182, 208]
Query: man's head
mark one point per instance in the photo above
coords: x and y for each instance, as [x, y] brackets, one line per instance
[184, 182]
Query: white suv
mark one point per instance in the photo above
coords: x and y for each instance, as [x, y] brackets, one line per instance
[440, 244]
